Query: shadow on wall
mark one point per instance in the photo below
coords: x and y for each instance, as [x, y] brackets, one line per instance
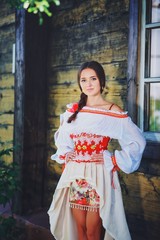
[142, 200]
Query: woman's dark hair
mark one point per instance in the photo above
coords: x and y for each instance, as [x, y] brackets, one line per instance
[83, 97]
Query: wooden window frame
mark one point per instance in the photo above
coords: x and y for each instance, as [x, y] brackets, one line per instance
[151, 136]
[136, 66]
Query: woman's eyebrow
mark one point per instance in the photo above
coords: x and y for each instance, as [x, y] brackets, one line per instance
[93, 76]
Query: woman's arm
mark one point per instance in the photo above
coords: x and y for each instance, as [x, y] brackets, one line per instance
[63, 143]
[132, 145]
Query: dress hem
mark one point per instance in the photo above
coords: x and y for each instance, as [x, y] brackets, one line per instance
[84, 207]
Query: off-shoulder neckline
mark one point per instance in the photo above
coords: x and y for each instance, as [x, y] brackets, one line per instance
[110, 113]
[92, 110]
[103, 110]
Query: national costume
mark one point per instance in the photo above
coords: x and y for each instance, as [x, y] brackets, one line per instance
[88, 183]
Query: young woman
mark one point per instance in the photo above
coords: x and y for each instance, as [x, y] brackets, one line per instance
[88, 195]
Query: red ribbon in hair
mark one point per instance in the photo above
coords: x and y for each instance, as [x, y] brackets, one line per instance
[74, 107]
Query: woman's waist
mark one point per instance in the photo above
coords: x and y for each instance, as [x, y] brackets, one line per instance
[93, 158]
[89, 149]
[88, 161]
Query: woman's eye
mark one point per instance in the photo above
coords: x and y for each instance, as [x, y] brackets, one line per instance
[83, 80]
[94, 78]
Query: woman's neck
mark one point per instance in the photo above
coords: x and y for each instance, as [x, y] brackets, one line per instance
[95, 101]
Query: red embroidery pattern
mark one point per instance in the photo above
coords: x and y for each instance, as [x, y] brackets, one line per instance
[83, 194]
[97, 111]
[88, 161]
[88, 143]
[116, 168]
[112, 114]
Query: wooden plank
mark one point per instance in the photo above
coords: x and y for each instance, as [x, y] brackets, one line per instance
[35, 112]
[19, 99]
[132, 60]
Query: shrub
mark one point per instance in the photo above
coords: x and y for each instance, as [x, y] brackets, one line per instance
[9, 184]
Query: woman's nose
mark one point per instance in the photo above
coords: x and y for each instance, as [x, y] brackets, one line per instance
[89, 83]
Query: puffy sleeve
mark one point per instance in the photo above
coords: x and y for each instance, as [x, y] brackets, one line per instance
[132, 144]
[62, 141]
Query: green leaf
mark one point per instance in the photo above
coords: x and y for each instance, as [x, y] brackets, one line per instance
[26, 4]
[57, 2]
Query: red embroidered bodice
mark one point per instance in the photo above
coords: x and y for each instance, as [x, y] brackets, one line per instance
[88, 144]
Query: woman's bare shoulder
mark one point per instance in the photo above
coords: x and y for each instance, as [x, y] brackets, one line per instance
[115, 107]
[112, 106]
[108, 106]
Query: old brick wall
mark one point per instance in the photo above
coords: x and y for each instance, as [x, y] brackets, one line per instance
[7, 39]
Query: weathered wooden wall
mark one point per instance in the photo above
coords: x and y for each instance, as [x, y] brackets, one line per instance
[7, 39]
[142, 204]
[98, 30]
[79, 31]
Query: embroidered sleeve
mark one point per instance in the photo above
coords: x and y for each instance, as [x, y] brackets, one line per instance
[63, 142]
[132, 145]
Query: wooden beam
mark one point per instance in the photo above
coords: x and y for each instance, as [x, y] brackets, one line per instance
[132, 60]
[19, 99]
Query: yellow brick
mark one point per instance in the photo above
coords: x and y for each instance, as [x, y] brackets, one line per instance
[6, 134]
[7, 100]
[8, 158]
[7, 119]
[8, 19]
[7, 81]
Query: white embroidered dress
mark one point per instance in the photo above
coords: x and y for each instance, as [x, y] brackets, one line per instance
[94, 124]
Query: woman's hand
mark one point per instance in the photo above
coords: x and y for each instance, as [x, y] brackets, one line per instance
[69, 156]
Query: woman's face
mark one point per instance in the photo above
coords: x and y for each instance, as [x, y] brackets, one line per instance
[89, 82]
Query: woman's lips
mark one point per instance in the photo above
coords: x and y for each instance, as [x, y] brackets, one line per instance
[89, 89]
